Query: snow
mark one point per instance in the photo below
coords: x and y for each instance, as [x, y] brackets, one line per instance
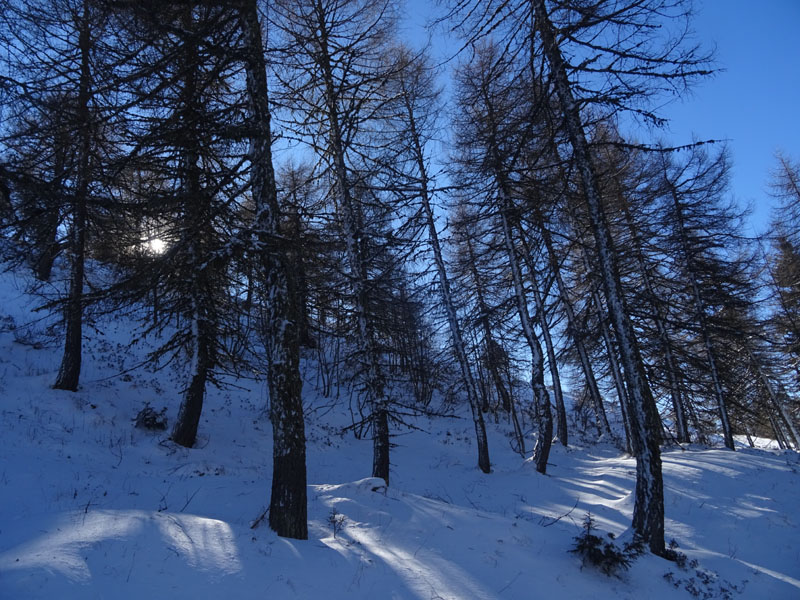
[91, 507]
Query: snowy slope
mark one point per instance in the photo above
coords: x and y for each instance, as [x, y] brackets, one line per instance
[91, 507]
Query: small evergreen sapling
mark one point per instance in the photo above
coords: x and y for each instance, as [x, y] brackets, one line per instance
[605, 554]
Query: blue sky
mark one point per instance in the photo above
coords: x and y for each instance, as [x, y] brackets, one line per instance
[753, 101]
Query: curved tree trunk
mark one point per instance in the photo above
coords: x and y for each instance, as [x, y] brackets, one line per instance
[447, 298]
[678, 403]
[558, 394]
[541, 451]
[196, 207]
[648, 512]
[184, 432]
[700, 308]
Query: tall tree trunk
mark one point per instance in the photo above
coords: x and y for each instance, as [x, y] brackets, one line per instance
[184, 432]
[702, 321]
[352, 232]
[574, 330]
[70, 369]
[648, 512]
[541, 451]
[613, 364]
[288, 509]
[678, 404]
[541, 399]
[558, 394]
[196, 216]
[447, 298]
[775, 401]
[492, 346]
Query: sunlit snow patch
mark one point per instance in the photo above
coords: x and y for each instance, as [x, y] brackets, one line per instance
[204, 544]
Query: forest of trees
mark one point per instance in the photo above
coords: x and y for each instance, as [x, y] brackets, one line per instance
[282, 186]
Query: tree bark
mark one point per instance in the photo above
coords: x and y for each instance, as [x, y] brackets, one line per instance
[447, 298]
[70, 369]
[288, 509]
[648, 512]
[196, 209]
[541, 451]
[702, 321]
[184, 432]
[678, 404]
[558, 394]
[352, 233]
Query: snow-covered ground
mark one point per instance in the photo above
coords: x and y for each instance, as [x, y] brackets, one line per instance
[91, 507]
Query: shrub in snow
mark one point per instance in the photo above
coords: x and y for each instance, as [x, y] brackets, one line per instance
[26, 337]
[602, 553]
[148, 418]
[679, 558]
[336, 520]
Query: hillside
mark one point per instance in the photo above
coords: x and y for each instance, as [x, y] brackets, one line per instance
[92, 507]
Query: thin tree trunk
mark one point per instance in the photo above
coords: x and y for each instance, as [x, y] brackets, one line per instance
[778, 433]
[695, 420]
[613, 362]
[541, 399]
[616, 372]
[678, 404]
[70, 369]
[352, 233]
[558, 394]
[776, 403]
[573, 328]
[700, 309]
[447, 299]
[518, 433]
[483, 387]
[288, 509]
[184, 432]
[491, 345]
[541, 451]
[648, 512]
[196, 208]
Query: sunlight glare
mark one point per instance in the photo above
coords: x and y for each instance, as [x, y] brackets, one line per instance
[157, 246]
